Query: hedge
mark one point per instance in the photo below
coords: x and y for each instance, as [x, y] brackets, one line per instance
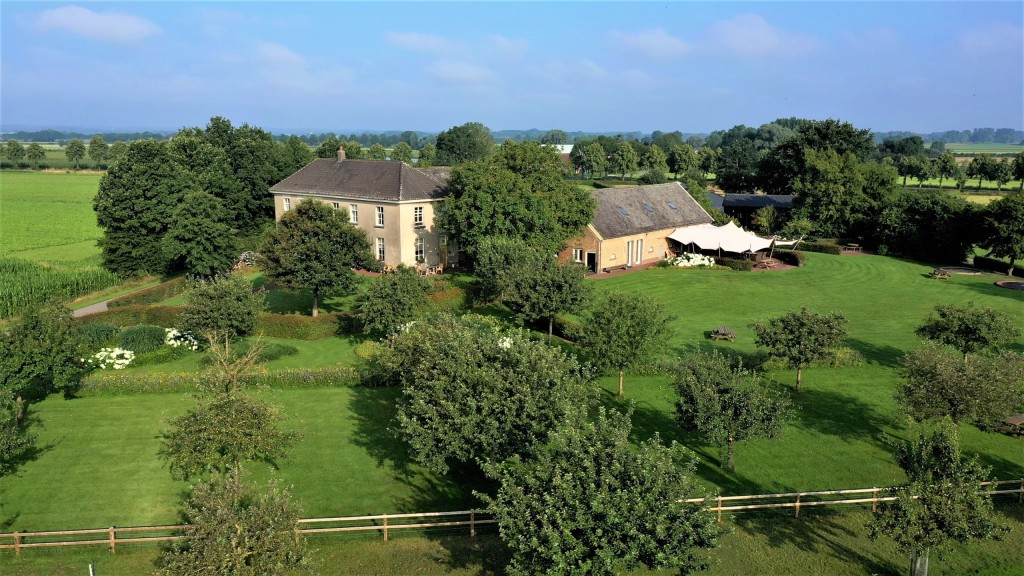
[98, 335]
[141, 339]
[299, 327]
[823, 247]
[734, 263]
[151, 295]
[165, 316]
[111, 383]
[986, 263]
[792, 257]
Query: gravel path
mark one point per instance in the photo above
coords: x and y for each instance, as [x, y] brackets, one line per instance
[94, 309]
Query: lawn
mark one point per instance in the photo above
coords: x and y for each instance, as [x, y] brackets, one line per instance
[49, 217]
[99, 465]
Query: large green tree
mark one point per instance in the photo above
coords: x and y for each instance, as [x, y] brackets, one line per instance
[682, 158]
[830, 192]
[75, 151]
[460, 144]
[592, 502]
[35, 154]
[942, 503]
[801, 337]
[588, 158]
[15, 440]
[968, 328]
[200, 240]
[472, 393]
[625, 160]
[1004, 229]
[983, 389]
[392, 300]
[14, 151]
[98, 149]
[402, 152]
[39, 355]
[725, 403]
[622, 329]
[787, 162]
[377, 152]
[519, 192]
[1018, 169]
[222, 307]
[314, 247]
[736, 169]
[945, 166]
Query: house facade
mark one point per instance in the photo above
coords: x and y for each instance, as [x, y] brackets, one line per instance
[631, 226]
[391, 201]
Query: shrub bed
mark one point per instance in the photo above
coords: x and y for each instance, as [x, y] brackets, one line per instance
[735, 263]
[792, 257]
[986, 263]
[298, 327]
[823, 247]
[101, 383]
[166, 316]
[97, 335]
[141, 339]
[151, 295]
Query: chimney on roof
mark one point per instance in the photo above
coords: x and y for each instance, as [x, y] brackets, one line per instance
[341, 153]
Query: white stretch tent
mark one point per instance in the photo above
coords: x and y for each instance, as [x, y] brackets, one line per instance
[729, 237]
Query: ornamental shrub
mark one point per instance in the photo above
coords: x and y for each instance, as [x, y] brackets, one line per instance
[141, 339]
[823, 247]
[735, 263]
[792, 257]
[97, 335]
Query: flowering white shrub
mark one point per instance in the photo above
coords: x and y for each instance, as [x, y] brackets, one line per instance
[505, 342]
[687, 260]
[175, 338]
[116, 358]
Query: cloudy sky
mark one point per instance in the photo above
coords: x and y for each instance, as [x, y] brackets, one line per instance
[593, 66]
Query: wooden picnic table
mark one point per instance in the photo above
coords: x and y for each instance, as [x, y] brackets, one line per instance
[723, 333]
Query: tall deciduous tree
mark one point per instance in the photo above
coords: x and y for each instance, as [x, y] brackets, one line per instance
[428, 156]
[98, 149]
[1018, 169]
[622, 329]
[625, 160]
[736, 169]
[519, 192]
[942, 503]
[200, 239]
[1004, 229]
[726, 404]
[402, 152]
[980, 167]
[377, 152]
[801, 337]
[472, 393]
[945, 166]
[830, 192]
[540, 288]
[682, 158]
[15, 440]
[938, 383]
[14, 151]
[786, 163]
[314, 247]
[967, 328]
[392, 300]
[707, 160]
[35, 154]
[40, 355]
[460, 144]
[75, 151]
[554, 137]
[592, 502]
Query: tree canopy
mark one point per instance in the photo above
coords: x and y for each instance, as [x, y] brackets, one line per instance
[968, 328]
[1004, 229]
[392, 300]
[199, 239]
[222, 307]
[591, 502]
[800, 337]
[460, 144]
[314, 247]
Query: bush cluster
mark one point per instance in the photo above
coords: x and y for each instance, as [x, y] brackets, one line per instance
[97, 335]
[986, 263]
[118, 384]
[823, 247]
[735, 263]
[166, 316]
[151, 295]
[141, 339]
[298, 327]
[792, 257]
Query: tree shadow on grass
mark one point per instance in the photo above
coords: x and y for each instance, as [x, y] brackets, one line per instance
[485, 550]
[990, 289]
[881, 354]
[1003, 469]
[820, 530]
[836, 414]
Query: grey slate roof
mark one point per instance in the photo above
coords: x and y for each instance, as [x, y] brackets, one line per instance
[369, 179]
[784, 201]
[638, 209]
[716, 200]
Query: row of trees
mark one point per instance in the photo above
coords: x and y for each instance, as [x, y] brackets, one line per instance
[76, 150]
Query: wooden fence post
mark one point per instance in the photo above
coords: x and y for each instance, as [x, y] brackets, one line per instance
[874, 499]
[1020, 496]
[112, 542]
[719, 508]
[472, 523]
[17, 544]
[385, 527]
[797, 505]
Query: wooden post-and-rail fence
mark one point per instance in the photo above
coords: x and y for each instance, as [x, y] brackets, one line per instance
[384, 523]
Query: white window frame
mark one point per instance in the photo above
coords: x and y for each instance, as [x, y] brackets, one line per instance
[577, 254]
[336, 205]
[417, 216]
[287, 204]
[380, 249]
[380, 217]
[353, 213]
[419, 249]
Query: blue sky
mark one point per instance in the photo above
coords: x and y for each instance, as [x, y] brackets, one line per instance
[594, 66]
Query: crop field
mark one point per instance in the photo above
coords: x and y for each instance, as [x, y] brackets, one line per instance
[984, 148]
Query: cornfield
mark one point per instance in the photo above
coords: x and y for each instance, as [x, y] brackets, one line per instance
[24, 284]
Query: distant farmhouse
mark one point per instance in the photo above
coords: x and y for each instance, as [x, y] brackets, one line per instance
[631, 226]
[391, 201]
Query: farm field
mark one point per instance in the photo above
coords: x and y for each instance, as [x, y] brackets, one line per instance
[106, 471]
[984, 148]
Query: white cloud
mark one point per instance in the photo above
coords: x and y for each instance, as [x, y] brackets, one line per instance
[654, 43]
[107, 27]
[281, 68]
[462, 72]
[511, 46]
[999, 39]
[420, 42]
[559, 70]
[750, 36]
[279, 55]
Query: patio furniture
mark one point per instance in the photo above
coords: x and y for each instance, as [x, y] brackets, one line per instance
[723, 333]
[940, 274]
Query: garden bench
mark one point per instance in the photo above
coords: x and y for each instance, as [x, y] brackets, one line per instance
[940, 274]
[723, 333]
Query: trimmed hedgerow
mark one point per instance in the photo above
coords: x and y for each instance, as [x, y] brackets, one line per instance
[151, 295]
[298, 327]
[96, 335]
[735, 264]
[141, 339]
[791, 257]
[823, 247]
[166, 316]
[109, 383]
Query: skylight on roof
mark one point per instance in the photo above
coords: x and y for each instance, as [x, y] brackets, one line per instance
[672, 205]
[623, 211]
[649, 208]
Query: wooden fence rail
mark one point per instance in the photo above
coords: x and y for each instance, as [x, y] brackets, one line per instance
[386, 523]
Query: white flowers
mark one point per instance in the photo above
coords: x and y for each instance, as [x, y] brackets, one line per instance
[116, 358]
[174, 338]
[505, 342]
[687, 260]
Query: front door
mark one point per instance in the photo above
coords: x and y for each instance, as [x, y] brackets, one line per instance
[592, 262]
[629, 252]
[639, 251]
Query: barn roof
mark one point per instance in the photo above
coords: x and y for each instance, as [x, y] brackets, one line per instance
[638, 209]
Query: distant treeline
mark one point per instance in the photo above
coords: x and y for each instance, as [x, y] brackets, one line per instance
[63, 138]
